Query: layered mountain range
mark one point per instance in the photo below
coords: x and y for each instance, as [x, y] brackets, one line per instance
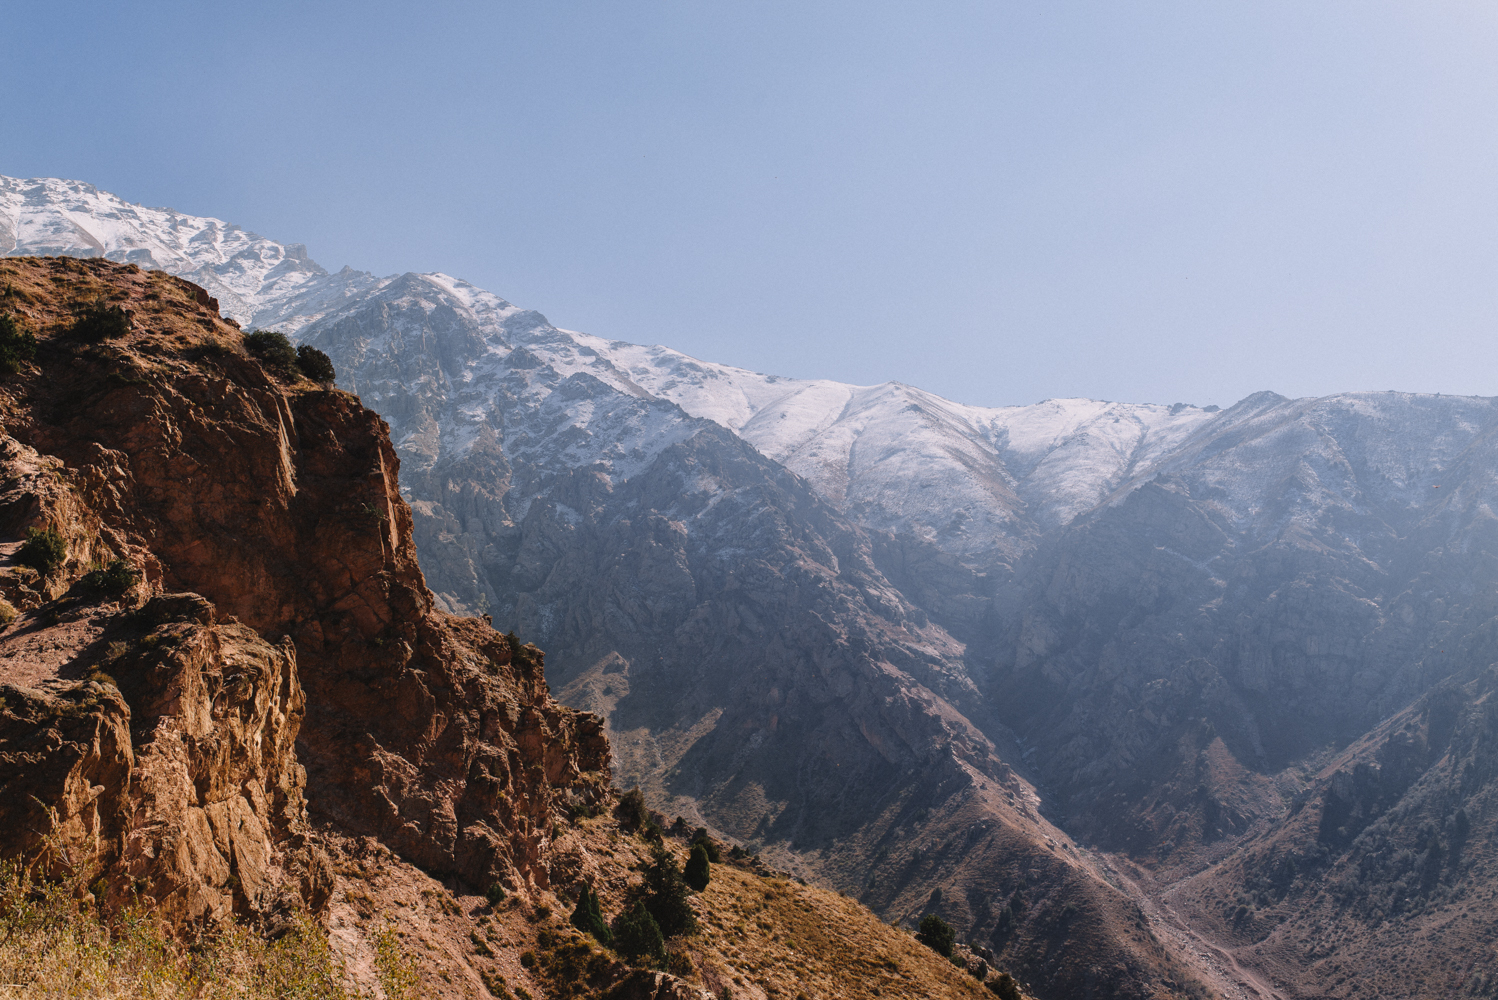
[1152, 699]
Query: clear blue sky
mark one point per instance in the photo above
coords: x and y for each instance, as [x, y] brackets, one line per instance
[1000, 202]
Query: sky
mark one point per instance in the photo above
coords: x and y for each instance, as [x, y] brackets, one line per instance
[998, 202]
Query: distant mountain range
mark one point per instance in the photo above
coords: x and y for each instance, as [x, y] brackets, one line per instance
[1086, 678]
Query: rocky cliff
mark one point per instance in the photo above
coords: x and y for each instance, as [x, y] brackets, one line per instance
[291, 653]
[226, 692]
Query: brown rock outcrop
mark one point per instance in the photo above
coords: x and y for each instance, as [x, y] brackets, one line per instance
[172, 449]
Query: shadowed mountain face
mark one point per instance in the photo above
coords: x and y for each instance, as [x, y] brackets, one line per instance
[902, 644]
[758, 670]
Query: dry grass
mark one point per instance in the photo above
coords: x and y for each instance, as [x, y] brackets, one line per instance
[784, 939]
[54, 945]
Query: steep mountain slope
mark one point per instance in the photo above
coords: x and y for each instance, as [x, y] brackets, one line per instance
[303, 730]
[892, 639]
[757, 670]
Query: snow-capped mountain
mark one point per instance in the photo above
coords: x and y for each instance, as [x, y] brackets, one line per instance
[257, 281]
[977, 481]
[820, 616]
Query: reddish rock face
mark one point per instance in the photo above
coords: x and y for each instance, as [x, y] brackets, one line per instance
[279, 504]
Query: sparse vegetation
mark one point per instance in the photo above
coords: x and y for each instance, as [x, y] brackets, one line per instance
[44, 550]
[495, 894]
[17, 344]
[109, 581]
[55, 946]
[100, 320]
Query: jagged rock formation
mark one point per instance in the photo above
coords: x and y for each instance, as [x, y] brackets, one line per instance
[229, 693]
[171, 449]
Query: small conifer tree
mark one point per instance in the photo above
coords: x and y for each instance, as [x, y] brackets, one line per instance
[714, 852]
[936, 934]
[637, 936]
[699, 871]
[588, 917]
[666, 895]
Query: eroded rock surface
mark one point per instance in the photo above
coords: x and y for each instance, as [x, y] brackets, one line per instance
[277, 646]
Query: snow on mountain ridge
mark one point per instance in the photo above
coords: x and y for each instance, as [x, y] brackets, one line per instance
[973, 479]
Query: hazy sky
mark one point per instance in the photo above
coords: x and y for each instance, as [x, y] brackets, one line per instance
[1000, 202]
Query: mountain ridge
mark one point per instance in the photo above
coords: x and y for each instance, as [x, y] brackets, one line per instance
[1123, 642]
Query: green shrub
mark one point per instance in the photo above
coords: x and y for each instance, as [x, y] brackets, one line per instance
[109, 581]
[588, 917]
[314, 364]
[98, 320]
[17, 344]
[495, 894]
[1005, 987]
[273, 349]
[637, 936]
[698, 872]
[395, 969]
[43, 551]
[631, 809]
[936, 934]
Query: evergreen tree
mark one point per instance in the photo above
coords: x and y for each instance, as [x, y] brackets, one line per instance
[588, 918]
[637, 936]
[666, 895]
[936, 934]
[714, 854]
[699, 871]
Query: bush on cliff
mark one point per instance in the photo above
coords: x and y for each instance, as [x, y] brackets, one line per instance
[98, 320]
[109, 581]
[936, 934]
[273, 350]
[44, 550]
[314, 364]
[631, 809]
[1005, 987]
[17, 344]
